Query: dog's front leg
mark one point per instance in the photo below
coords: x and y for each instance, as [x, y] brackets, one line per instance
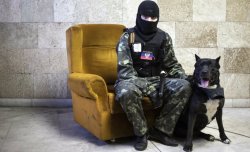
[223, 136]
[191, 121]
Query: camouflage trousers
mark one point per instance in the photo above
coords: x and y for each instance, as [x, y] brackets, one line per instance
[129, 94]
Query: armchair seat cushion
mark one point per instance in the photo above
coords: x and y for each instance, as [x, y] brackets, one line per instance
[115, 107]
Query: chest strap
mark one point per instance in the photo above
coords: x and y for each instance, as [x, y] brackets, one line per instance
[131, 37]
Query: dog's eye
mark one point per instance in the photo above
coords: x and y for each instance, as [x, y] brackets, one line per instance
[207, 63]
[214, 70]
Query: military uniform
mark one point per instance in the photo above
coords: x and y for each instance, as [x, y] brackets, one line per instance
[133, 83]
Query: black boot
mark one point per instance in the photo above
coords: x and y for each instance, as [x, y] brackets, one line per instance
[141, 143]
[161, 137]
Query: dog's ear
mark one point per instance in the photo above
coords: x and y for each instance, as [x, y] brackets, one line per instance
[218, 59]
[197, 57]
[217, 62]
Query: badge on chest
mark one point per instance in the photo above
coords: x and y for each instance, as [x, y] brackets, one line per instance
[137, 47]
[146, 55]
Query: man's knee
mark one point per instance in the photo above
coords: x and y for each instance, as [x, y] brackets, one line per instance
[127, 91]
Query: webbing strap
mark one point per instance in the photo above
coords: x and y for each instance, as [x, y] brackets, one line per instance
[132, 38]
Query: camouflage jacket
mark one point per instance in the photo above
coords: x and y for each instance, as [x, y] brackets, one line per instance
[125, 62]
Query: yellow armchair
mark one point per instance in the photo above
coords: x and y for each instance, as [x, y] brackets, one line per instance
[92, 65]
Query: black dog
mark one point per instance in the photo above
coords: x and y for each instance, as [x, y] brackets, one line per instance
[206, 103]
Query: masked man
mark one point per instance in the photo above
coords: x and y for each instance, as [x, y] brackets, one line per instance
[143, 52]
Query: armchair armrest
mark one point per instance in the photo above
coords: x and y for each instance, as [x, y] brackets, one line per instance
[90, 86]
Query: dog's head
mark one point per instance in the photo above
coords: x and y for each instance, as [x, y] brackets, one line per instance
[206, 73]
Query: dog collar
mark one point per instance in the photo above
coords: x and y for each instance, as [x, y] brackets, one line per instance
[217, 93]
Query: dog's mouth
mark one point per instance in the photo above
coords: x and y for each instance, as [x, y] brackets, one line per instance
[204, 83]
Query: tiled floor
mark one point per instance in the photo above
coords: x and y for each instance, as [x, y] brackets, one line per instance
[53, 130]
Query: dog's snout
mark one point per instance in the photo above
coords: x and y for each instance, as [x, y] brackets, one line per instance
[204, 72]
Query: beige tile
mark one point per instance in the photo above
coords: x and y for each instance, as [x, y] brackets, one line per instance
[34, 129]
[105, 11]
[186, 57]
[10, 11]
[238, 141]
[29, 59]
[129, 10]
[16, 86]
[18, 35]
[64, 10]
[37, 61]
[13, 60]
[3, 61]
[50, 85]
[68, 145]
[228, 103]
[236, 86]
[15, 102]
[196, 35]
[213, 10]
[235, 121]
[5, 126]
[177, 10]
[71, 11]
[35, 103]
[234, 35]
[45, 61]
[238, 10]
[15, 146]
[52, 103]
[37, 11]
[52, 35]
[39, 130]
[168, 27]
[27, 85]
[241, 103]
[58, 61]
[237, 60]
[42, 87]
[10, 114]
[68, 93]
[58, 85]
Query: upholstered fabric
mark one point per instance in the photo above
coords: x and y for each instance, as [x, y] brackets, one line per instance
[101, 61]
[92, 72]
[92, 49]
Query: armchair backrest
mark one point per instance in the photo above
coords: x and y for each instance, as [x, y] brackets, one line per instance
[91, 49]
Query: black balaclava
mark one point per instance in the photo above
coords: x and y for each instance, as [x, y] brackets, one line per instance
[145, 29]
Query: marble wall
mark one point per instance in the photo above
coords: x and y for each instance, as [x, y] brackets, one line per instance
[33, 59]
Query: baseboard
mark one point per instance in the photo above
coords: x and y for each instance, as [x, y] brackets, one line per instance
[13, 102]
[53, 103]
[237, 103]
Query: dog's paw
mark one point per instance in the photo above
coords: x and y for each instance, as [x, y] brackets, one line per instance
[226, 141]
[211, 138]
[188, 148]
[208, 137]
